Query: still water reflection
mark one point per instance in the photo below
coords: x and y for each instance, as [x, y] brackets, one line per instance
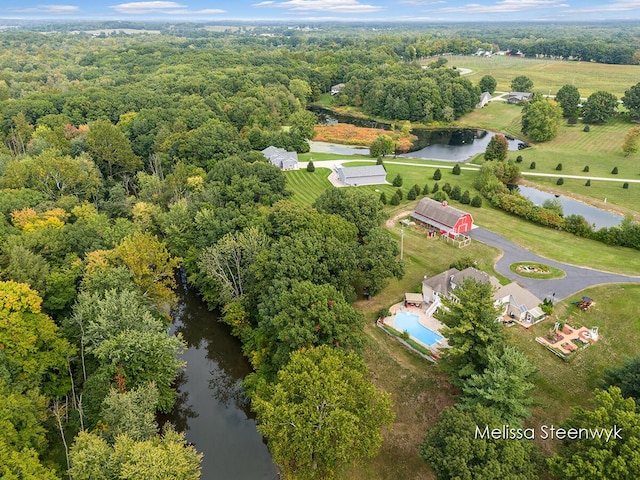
[212, 408]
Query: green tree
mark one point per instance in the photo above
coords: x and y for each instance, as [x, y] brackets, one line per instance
[111, 150]
[452, 450]
[383, 198]
[487, 84]
[130, 413]
[411, 195]
[307, 315]
[476, 201]
[36, 353]
[322, 414]
[631, 100]
[426, 190]
[228, 262]
[465, 198]
[161, 457]
[471, 329]
[617, 457]
[303, 122]
[614, 171]
[568, 97]
[397, 182]
[626, 377]
[521, 83]
[504, 386]
[456, 169]
[356, 206]
[152, 267]
[311, 167]
[541, 120]
[395, 200]
[437, 175]
[455, 193]
[497, 148]
[382, 145]
[599, 107]
[631, 141]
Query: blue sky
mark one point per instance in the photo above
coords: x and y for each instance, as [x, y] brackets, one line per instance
[329, 10]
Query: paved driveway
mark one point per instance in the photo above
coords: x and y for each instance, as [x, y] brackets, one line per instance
[576, 279]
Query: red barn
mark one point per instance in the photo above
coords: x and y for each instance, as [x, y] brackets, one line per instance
[443, 218]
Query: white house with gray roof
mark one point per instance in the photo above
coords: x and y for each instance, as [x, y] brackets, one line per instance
[519, 304]
[366, 175]
[281, 158]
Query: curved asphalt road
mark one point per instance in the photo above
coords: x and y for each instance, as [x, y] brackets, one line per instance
[576, 279]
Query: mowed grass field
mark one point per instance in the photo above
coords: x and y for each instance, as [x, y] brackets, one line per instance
[560, 385]
[550, 75]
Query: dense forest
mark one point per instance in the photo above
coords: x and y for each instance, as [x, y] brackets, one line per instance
[124, 158]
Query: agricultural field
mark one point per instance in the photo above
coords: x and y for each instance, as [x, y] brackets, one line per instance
[550, 75]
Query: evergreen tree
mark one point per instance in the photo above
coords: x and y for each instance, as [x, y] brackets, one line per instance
[456, 169]
[437, 175]
[397, 182]
[465, 199]
[310, 166]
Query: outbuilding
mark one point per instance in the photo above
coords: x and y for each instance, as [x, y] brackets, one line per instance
[443, 218]
[366, 175]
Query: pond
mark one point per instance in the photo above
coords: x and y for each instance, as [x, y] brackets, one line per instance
[212, 409]
[595, 216]
[448, 144]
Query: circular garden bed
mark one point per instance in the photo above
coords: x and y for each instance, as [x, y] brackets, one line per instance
[536, 270]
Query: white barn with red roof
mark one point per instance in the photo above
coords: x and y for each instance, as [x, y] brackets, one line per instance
[442, 217]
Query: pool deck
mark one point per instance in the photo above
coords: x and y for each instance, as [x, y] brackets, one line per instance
[425, 320]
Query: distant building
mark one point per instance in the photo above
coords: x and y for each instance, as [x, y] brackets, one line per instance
[441, 217]
[484, 99]
[519, 97]
[367, 175]
[281, 158]
[335, 89]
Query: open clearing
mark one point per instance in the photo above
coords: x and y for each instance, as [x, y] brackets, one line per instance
[550, 75]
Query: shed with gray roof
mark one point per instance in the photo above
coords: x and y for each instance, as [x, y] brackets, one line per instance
[366, 175]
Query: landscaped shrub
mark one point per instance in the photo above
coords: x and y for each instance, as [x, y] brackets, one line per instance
[383, 312]
[560, 181]
[559, 167]
[397, 182]
[477, 201]
[586, 168]
[447, 188]
[379, 161]
[572, 120]
[519, 159]
[465, 199]
[310, 166]
[615, 170]
[436, 187]
[586, 128]
[532, 166]
[426, 190]
[587, 183]
[437, 175]
[456, 169]
[440, 196]
[625, 185]
[383, 198]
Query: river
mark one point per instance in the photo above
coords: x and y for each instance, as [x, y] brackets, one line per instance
[212, 409]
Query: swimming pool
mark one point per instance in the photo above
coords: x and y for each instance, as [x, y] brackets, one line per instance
[409, 322]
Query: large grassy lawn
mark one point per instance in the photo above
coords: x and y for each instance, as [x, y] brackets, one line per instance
[560, 385]
[551, 75]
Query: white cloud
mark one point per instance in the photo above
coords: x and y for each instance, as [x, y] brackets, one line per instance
[147, 7]
[504, 6]
[421, 3]
[331, 6]
[53, 9]
[263, 4]
[622, 6]
[162, 7]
